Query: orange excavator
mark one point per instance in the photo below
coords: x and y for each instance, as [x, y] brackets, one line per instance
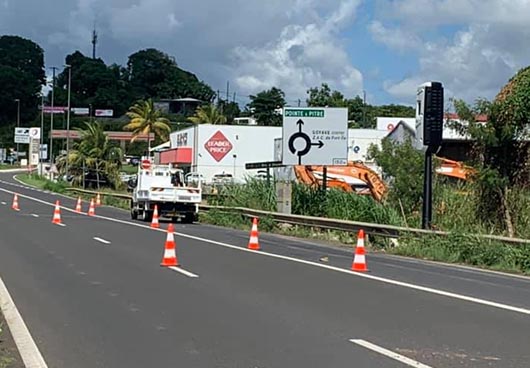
[454, 169]
[348, 178]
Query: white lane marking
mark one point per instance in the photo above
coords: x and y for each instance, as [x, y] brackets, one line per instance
[389, 353]
[34, 215]
[448, 294]
[4, 203]
[183, 271]
[101, 240]
[61, 224]
[27, 348]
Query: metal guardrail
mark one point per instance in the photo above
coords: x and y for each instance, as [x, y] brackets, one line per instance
[388, 231]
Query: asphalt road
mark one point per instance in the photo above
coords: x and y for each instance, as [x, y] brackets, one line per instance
[106, 302]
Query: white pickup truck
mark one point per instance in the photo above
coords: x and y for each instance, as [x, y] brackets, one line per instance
[164, 186]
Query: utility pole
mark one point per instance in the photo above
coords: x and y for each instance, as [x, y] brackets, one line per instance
[227, 91]
[17, 100]
[364, 109]
[52, 114]
[68, 120]
[234, 99]
[94, 41]
[299, 102]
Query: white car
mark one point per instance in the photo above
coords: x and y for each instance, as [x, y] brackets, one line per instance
[194, 178]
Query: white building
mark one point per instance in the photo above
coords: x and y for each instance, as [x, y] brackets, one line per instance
[216, 149]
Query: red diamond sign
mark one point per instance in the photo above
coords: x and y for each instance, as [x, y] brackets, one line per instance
[218, 146]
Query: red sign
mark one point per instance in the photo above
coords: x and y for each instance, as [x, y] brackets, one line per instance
[146, 164]
[218, 146]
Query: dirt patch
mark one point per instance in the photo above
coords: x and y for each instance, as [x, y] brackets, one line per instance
[9, 356]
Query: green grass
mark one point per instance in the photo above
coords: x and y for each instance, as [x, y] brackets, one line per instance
[7, 166]
[129, 169]
[40, 182]
[6, 357]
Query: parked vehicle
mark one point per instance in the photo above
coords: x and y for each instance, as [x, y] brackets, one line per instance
[194, 179]
[223, 179]
[163, 186]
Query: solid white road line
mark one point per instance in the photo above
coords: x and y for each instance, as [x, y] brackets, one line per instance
[390, 354]
[101, 240]
[183, 271]
[27, 348]
[448, 294]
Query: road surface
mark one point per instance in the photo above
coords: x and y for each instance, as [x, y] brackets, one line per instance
[92, 294]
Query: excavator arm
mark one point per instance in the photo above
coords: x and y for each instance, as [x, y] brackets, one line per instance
[355, 170]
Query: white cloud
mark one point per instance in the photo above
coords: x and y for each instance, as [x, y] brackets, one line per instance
[480, 58]
[395, 38]
[302, 57]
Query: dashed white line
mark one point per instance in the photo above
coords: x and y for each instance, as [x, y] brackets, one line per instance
[425, 289]
[4, 203]
[61, 224]
[101, 240]
[27, 348]
[35, 215]
[389, 354]
[183, 271]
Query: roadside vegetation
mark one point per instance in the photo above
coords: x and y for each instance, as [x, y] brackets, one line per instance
[8, 353]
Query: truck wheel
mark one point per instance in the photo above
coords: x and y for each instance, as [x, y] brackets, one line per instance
[148, 216]
[188, 218]
[134, 214]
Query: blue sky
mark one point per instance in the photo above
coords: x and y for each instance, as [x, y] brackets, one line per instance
[383, 47]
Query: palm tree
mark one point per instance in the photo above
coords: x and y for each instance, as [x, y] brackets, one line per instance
[145, 119]
[207, 114]
[94, 152]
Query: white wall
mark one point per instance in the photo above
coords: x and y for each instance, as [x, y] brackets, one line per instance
[249, 144]
[359, 140]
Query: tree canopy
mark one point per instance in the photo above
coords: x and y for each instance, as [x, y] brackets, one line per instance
[360, 114]
[21, 77]
[264, 105]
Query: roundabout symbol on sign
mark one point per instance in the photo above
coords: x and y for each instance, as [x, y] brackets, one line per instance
[300, 135]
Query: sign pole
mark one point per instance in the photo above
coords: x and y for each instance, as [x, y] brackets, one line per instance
[324, 179]
[427, 191]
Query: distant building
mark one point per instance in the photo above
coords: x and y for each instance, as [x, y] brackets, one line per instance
[180, 106]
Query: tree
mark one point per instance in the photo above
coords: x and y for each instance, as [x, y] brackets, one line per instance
[324, 97]
[207, 114]
[264, 106]
[93, 153]
[229, 109]
[154, 74]
[21, 77]
[95, 84]
[145, 119]
[402, 166]
[501, 148]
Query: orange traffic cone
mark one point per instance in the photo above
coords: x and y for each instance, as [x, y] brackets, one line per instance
[78, 205]
[253, 243]
[57, 214]
[98, 200]
[15, 203]
[91, 209]
[359, 260]
[155, 224]
[170, 251]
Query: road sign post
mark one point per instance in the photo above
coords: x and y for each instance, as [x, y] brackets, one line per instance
[429, 135]
[315, 136]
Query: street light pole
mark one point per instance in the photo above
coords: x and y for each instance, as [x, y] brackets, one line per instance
[68, 119]
[52, 114]
[17, 100]
[41, 140]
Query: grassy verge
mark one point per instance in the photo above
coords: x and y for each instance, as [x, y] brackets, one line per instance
[9, 356]
[9, 167]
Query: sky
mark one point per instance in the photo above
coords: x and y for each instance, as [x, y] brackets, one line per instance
[385, 48]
